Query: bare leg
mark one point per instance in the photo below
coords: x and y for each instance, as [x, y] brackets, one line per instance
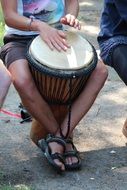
[30, 96]
[34, 102]
[5, 81]
[38, 131]
[124, 130]
[85, 99]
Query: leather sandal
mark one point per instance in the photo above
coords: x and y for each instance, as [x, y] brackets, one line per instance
[72, 153]
[44, 146]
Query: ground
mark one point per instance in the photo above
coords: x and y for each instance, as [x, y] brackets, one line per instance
[98, 136]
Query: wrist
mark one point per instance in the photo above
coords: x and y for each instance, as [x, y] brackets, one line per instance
[31, 20]
[36, 25]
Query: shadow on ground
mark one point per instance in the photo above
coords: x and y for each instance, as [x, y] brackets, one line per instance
[101, 169]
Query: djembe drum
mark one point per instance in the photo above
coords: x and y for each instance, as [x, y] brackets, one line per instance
[61, 76]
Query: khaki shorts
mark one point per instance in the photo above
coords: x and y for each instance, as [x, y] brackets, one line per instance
[14, 48]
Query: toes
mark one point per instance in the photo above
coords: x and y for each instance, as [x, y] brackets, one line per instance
[71, 160]
[60, 164]
[56, 148]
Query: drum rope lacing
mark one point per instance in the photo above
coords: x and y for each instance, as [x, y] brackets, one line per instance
[69, 112]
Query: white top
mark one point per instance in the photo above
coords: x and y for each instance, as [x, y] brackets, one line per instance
[79, 55]
[49, 11]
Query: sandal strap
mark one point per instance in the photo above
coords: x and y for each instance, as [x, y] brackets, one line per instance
[59, 140]
[70, 141]
[71, 153]
[51, 157]
[58, 156]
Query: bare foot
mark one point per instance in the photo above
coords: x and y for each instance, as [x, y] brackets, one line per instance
[57, 148]
[70, 159]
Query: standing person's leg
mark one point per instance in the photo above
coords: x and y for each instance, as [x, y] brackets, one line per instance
[5, 81]
[119, 61]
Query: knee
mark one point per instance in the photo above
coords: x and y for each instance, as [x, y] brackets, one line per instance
[7, 79]
[101, 72]
[20, 83]
[23, 84]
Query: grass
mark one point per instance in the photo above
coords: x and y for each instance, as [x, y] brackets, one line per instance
[16, 187]
[1, 27]
[5, 187]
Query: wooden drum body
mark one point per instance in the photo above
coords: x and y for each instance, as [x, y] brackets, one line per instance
[61, 76]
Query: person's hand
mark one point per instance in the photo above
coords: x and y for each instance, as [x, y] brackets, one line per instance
[53, 38]
[71, 20]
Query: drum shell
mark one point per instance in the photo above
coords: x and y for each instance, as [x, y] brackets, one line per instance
[58, 90]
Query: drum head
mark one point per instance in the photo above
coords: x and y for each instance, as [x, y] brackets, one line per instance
[79, 55]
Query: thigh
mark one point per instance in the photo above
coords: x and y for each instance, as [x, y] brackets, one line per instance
[119, 61]
[3, 71]
[21, 74]
[13, 54]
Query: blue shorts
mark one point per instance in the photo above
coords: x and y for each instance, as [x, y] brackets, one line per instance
[107, 47]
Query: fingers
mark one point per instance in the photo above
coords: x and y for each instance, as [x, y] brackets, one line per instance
[71, 21]
[58, 45]
[77, 24]
[56, 39]
[62, 38]
[59, 41]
